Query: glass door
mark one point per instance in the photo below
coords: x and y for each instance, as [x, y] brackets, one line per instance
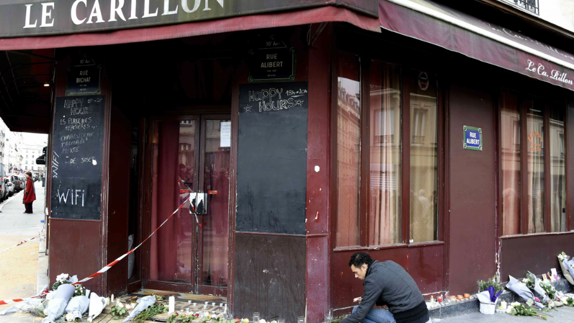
[190, 157]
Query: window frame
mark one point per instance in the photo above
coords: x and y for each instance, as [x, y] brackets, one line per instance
[546, 105]
[407, 82]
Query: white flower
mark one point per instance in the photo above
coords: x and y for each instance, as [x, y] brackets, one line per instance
[62, 278]
[262, 321]
[525, 280]
[514, 304]
[70, 317]
[509, 310]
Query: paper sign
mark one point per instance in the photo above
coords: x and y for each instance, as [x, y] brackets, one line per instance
[225, 136]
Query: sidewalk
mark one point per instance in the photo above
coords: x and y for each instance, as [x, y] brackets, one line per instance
[562, 314]
[19, 265]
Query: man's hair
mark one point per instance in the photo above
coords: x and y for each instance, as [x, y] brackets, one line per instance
[359, 259]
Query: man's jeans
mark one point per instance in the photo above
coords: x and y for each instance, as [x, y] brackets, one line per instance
[377, 315]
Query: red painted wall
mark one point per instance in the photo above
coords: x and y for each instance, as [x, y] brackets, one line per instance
[472, 190]
[318, 143]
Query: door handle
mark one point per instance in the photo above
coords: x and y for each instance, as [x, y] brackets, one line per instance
[199, 203]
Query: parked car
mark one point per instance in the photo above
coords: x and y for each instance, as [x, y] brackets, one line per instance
[22, 180]
[17, 183]
[3, 190]
[9, 186]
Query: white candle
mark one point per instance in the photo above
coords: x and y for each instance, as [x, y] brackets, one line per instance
[171, 304]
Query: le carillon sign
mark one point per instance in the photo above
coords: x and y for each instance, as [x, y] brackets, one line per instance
[36, 18]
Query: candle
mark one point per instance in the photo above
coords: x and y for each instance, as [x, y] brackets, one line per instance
[171, 304]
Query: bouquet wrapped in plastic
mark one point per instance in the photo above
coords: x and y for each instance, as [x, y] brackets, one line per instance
[520, 289]
[538, 290]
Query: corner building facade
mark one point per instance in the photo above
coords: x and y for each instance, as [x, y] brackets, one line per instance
[304, 132]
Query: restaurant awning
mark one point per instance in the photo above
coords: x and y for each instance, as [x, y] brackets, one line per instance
[437, 24]
[197, 28]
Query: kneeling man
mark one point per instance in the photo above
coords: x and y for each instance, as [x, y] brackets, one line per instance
[386, 283]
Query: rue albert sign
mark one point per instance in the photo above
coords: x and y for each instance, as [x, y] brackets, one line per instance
[472, 138]
[271, 61]
[22, 18]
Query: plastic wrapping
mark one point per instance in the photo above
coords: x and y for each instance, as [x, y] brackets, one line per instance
[58, 303]
[569, 266]
[143, 303]
[30, 305]
[78, 306]
[537, 289]
[520, 289]
[97, 305]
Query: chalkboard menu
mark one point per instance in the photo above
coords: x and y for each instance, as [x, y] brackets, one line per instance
[77, 158]
[272, 158]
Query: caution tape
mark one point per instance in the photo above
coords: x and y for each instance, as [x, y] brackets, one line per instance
[111, 264]
[19, 244]
[17, 300]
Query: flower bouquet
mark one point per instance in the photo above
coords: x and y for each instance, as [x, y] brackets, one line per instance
[533, 283]
[567, 266]
[520, 289]
[518, 309]
[488, 299]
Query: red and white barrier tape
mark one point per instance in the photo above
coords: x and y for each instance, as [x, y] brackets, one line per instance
[19, 244]
[111, 264]
[17, 300]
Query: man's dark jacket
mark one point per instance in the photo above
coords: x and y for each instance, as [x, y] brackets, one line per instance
[387, 283]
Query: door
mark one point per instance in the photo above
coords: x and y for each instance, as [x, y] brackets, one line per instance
[190, 155]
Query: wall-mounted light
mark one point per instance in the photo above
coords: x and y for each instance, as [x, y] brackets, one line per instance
[46, 84]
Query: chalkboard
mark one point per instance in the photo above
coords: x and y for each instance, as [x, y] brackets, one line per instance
[272, 158]
[77, 158]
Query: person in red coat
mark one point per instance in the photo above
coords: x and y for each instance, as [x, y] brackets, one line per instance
[29, 193]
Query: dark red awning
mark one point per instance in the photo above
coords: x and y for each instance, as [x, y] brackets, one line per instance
[281, 19]
[440, 25]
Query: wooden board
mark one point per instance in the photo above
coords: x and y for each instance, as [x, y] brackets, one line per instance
[269, 276]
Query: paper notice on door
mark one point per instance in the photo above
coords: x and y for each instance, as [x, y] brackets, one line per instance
[225, 137]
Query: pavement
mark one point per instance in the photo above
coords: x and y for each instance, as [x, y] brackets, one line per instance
[24, 267]
[562, 314]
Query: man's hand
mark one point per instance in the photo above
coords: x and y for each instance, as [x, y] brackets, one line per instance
[358, 299]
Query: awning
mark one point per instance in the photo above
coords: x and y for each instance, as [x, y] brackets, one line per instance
[260, 21]
[456, 31]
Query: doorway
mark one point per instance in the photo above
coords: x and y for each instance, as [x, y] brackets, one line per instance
[190, 155]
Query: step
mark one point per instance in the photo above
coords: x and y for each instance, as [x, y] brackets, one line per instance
[472, 305]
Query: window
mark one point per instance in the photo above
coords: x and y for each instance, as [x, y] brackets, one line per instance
[533, 200]
[370, 165]
[535, 160]
[557, 171]
[385, 155]
[348, 150]
[423, 163]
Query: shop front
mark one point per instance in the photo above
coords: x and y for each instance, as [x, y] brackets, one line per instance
[272, 144]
